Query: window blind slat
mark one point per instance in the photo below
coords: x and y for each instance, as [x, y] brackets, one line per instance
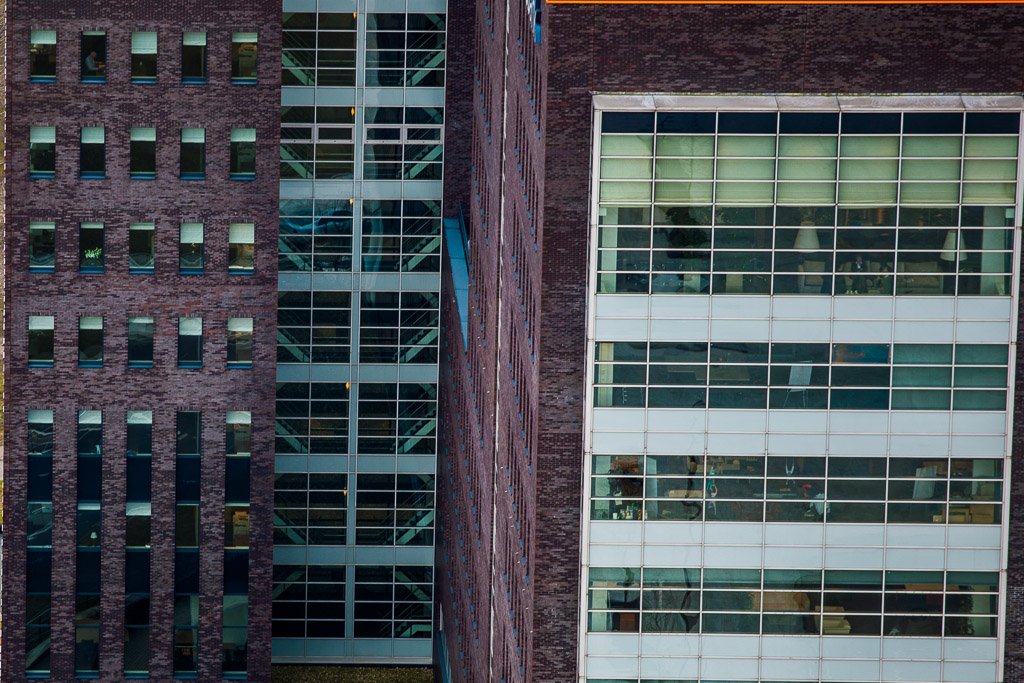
[141, 226]
[239, 324]
[42, 134]
[40, 417]
[92, 135]
[243, 135]
[190, 327]
[40, 322]
[90, 323]
[140, 321]
[40, 226]
[193, 38]
[91, 226]
[243, 233]
[144, 43]
[144, 134]
[191, 233]
[90, 417]
[44, 38]
[140, 417]
[193, 135]
[239, 417]
[243, 37]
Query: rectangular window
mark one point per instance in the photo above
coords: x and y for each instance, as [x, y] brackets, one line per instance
[243, 153]
[243, 57]
[142, 154]
[193, 57]
[42, 151]
[140, 342]
[143, 56]
[193, 153]
[94, 56]
[241, 247]
[186, 540]
[40, 246]
[43, 56]
[190, 255]
[93, 157]
[190, 342]
[239, 342]
[40, 341]
[140, 248]
[90, 248]
[90, 342]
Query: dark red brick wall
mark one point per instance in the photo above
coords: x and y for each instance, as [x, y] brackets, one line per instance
[165, 295]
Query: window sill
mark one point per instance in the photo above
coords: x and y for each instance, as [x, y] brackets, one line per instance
[141, 271]
[42, 174]
[190, 365]
[192, 176]
[42, 79]
[193, 81]
[40, 269]
[94, 79]
[140, 364]
[237, 366]
[144, 79]
[86, 674]
[90, 364]
[40, 363]
[241, 271]
[190, 271]
[148, 175]
[243, 81]
[243, 176]
[91, 271]
[92, 174]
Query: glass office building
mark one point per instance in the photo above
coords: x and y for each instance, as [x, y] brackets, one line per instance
[802, 318]
[360, 233]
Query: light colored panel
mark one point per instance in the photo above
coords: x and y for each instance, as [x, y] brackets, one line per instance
[927, 672]
[722, 645]
[613, 643]
[620, 329]
[857, 444]
[671, 532]
[730, 444]
[979, 672]
[970, 422]
[912, 648]
[619, 442]
[740, 330]
[615, 555]
[863, 307]
[733, 533]
[740, 306]
[287, 647]
[694, 306]
[668, 443]
[737, 420]
[785, 557]
[971, 648]
[916, 535]
[982, 332]
[855, 648]
[859, 421]
[671, 330]
[790, 646]
[781, 534]
[847, 670]
[861, 331]
[803, 307]
[796, 444]
[994, 446]
[908, 422]
[801, 330]
[732, 668]
[685, 644]
[622, 305]
[614, 532]
[919, 444]
[608, 419]
[933, 307]
[853, 558]
[922, 331]
[614, 667]
[986, 308]
[797, 420]
[972, 559]
[914, 558]
[682, 419]
[973, 536]
[732, 556]
[790, 669]
[669, 667]
[672, 555]
[854, 534]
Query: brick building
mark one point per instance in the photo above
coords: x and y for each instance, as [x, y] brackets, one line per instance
[729, 330]
[140, 281]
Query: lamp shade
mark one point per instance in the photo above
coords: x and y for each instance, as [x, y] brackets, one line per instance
[806, 240]
[949, 248]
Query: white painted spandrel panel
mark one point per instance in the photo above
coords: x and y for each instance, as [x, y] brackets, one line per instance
[672, 555]
[669, 443]
[619, 442]
[859, 421]
[911, 422]
[857, 444]
[984, 332]
[855, 648]
[675, 644]
[801, 330]
[796, 444]
[613, 667]
[621, 306]
[679, 330]
[740, 306]
[672, 420]
[736, 444]
[615, 555]
[621, 329]
[614, 532]
[934, 307]
[680, 306]
[788, 646]
[973, 536]
[673, 532]
[614, 419]
[792, 557]
[733, 533]
[986, 308]
[859, 331]
[863, 308]
[973, 672]
[922, 331]
[740, 330]
[732, 556]
[854, 534]
[991, 446]
[924, 672]
[971, 648]
[669, 667]
[847, 670]
[970, 422]
[987, 560]
[728, 669]
[853, 558]
[805, 534]
[789, 669]
[723, 645]
[737, 420]
[916, 535]
[613, 643]
[803, 307]
[797, 420]
[912, 648]
[919, 444]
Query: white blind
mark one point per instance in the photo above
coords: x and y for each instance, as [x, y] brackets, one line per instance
[90, 323]
[193, 135]
[92, 135]
[243, 37]
[144, 134]
[92, 226]
[90, 417]
[44, 38]
[140, 321]
[191, 233]
[94, 33]
[193, 38]
[138, 509]
[190, 327]
[239, 324]
[40, 322]
[34, 225]
[239, 417]
[140, 417]
[140, 226]
[41, 416]
[42, 134]
[241, 233]
[243, 135]
[144, 43]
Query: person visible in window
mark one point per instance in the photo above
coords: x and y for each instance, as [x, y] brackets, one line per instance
[92, 68]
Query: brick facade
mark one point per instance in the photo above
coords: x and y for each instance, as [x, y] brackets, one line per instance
[621, 48]
[116, 200]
